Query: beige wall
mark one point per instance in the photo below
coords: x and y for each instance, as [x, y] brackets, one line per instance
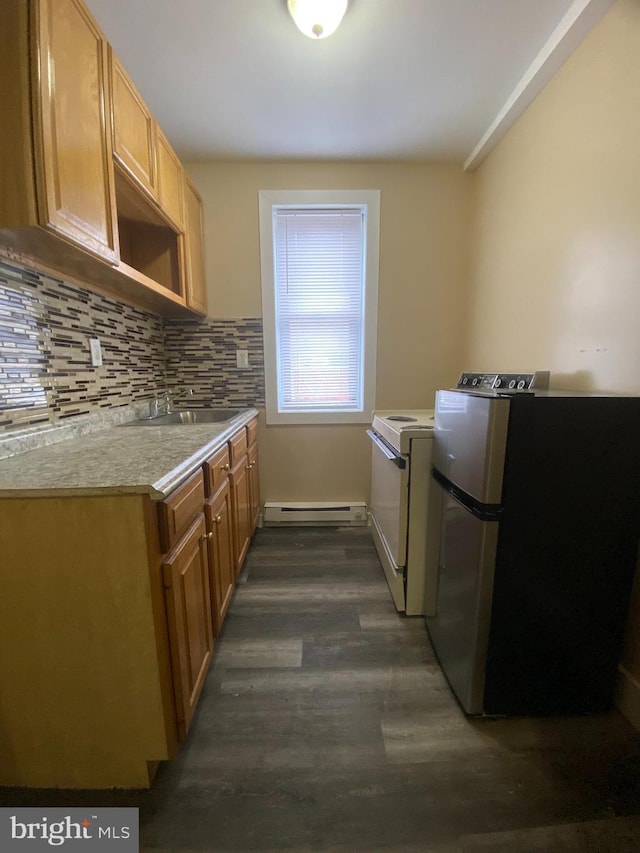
[424, 240]
[557, 268]
[556, 258]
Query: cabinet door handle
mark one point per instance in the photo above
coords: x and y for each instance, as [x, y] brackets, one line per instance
[206, 536]
[218, 519]
[225, 467]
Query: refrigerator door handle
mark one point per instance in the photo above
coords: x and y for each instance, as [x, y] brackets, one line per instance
[483, 512]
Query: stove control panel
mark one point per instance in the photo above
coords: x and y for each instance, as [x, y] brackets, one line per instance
[504, 383]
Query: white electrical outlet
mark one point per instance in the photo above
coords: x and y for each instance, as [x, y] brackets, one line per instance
[242, 358]
[96, 352]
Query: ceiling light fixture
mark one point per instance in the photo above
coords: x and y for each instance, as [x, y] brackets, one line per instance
[317, 19]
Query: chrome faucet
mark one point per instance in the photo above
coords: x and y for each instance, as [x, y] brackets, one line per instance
[163, 403]
[160, 405]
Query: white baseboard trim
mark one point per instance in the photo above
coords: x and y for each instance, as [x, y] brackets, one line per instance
[628, 696]
[314, 513]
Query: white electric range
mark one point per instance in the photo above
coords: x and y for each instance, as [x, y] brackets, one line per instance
[405, 535]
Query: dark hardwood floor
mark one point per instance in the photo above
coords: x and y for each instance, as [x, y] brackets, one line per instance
[327, 725]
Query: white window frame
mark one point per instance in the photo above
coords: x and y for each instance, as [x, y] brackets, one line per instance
[369, 201]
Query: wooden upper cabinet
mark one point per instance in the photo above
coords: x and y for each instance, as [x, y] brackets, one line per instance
[196, 289]
[73, 157]
[170, 182]
[89, 185]
[134, 129]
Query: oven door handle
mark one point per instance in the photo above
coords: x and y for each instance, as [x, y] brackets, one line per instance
[384, 448]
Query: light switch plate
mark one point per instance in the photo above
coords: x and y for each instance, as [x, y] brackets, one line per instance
[242, 358]
[96, 352]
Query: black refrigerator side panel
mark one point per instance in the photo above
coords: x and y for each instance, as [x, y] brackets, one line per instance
[567, 554]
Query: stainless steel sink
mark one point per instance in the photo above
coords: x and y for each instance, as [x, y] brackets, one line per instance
[189, 416]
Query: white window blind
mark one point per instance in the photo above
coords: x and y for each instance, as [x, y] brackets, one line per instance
[319, 308]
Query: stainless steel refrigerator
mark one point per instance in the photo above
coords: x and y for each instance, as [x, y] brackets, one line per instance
[539, 495]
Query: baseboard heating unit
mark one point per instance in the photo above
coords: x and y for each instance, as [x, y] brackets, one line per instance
[317, 514]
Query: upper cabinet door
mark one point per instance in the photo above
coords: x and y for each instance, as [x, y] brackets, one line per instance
[74, 166]
[134, 129]
[196, 286]
[170, 182]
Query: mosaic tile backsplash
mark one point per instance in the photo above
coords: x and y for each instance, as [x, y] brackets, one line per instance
[201, 356]
[46, 374]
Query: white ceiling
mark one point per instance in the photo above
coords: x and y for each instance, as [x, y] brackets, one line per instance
[400, 79]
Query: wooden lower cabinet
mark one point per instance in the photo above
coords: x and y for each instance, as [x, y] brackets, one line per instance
[185, 572]
[245, 489]
[232, 510]
[221, 556]
[179, 509]
[108, 609]
[254, 488]
[239, 479]
[85, 665]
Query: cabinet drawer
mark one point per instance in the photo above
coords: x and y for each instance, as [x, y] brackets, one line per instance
[252, 432]
[238, 445]
[176, 513]
[216, 468]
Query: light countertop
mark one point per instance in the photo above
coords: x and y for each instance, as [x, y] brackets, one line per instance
[117, 460]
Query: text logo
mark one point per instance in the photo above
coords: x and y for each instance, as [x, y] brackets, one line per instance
[101, 829]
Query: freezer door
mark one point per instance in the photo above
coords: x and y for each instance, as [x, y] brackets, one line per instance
[459, 630]
[470, 443]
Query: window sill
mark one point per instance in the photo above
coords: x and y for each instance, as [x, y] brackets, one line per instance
[317, 418]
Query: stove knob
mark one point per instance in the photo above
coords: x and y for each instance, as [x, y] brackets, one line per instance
[512, 384]
[498, 383]
[474, 382]
[521, 385]
[465, 380]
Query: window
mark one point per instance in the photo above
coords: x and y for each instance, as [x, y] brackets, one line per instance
[319, 257]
